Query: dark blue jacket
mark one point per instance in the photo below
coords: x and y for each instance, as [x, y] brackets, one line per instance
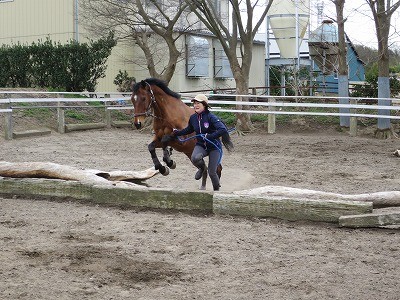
[203, 123]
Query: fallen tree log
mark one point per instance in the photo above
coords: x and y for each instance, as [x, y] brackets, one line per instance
[287, 208]
[131, 195]
[378, 218]
[56, 171]
[378, 199]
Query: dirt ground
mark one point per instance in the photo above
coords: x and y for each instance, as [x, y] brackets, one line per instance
[67, 250]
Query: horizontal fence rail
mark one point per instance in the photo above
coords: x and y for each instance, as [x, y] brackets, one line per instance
[267, 105]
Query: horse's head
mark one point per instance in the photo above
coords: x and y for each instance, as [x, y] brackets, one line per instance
[142, 97]
[151, 97]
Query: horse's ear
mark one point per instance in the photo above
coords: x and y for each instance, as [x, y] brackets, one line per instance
[132, 84]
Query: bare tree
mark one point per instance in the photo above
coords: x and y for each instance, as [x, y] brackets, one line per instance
[153, 25]
[342, 57]
[382, 11]
[239, 36]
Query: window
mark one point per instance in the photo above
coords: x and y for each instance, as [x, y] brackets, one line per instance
[197, 56]
[217, 7]
[222, 68]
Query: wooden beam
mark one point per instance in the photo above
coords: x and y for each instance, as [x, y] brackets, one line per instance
[288, 208]
[84, 126]
[132, 196]
[379, 199]
[31, 132]
[375, 219]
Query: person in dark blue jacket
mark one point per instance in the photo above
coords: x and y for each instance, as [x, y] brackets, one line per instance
[208, 128]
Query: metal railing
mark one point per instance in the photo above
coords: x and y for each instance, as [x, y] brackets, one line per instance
[266, 105]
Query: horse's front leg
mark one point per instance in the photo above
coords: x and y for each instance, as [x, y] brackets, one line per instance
[167, 151]
[157, 164]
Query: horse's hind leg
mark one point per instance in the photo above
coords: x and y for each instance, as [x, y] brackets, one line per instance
[167, 157]
[219, 171]
[157, 165]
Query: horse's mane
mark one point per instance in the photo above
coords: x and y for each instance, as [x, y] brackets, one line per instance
[158, 82]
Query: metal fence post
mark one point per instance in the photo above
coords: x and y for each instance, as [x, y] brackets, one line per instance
[60, 116]
[353, 120]
[8, 126]
[271, 117]
[107, 112]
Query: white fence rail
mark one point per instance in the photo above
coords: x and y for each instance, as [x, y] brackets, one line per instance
[267, 105]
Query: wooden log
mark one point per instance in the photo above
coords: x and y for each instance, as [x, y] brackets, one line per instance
[57, 171]
[287, 208]
[132, 175]
[379, 199]
[121, 124]
[375, 219]
[134, 196]
[85, 126]
[31, 132]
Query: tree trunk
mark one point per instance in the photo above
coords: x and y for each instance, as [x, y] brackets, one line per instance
[343, 69]
[382, 12]
[243, 122]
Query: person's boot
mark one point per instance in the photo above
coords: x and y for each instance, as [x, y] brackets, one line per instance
[199, 173]
[216, 187]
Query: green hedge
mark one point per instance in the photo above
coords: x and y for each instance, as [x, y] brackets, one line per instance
[71, 67]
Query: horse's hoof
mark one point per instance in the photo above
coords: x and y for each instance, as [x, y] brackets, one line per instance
[164, 170]
[172, 164]
[202, 188]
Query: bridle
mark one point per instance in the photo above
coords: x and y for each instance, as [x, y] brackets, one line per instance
[149, 109]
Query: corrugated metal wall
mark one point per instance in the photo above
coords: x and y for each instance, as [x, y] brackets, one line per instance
[27, 21]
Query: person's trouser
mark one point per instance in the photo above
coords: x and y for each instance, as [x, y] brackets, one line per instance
[198, 161]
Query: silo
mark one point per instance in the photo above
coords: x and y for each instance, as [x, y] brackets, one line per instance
[288, 20]
[323, 46]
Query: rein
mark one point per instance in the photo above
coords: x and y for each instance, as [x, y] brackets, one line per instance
[208, 140]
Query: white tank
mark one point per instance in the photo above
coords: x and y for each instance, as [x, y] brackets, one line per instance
[323, 46]
[282, 19]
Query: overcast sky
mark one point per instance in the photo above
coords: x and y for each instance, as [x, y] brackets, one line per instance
[360, 26]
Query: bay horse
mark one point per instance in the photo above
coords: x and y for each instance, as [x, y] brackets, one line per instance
[153, 98]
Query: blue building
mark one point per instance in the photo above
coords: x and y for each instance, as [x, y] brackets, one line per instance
[323, 46]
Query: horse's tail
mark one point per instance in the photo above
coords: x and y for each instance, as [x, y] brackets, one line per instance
[226, 140]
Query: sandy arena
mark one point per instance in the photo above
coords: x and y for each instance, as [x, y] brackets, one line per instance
[67, 250]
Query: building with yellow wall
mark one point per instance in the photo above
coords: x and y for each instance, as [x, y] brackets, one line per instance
[27, 21]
